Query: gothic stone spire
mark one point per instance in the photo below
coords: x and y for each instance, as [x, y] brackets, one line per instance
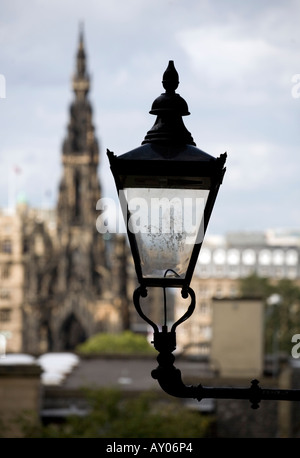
[81, 81]
[80, 187]
[80, 138]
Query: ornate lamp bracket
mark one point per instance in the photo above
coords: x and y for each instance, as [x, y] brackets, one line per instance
[170, 379]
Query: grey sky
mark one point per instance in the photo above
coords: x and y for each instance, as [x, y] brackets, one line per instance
[235, 60]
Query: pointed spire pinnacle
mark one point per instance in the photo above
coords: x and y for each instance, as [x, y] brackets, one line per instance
[81, 27]
[81, 81]
[81, 53]
[80, 139]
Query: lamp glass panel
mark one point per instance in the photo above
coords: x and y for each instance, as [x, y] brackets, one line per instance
[166, 223]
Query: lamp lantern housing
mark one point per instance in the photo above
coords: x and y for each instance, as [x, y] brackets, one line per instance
[167, 188]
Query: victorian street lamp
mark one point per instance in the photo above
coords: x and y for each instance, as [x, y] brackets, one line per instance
[167, 188]
[174, 186]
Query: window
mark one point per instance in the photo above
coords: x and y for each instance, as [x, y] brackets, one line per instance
[205, 256]
[279, 272]
[77, 195]
[233, 290]
[264, 271]
[6, 246]
[233, 256]
[233, 271]
[5, 271]
[291, 257]
[5, 315]
[204, 307]
[203, 291]
[292, 273]
[25, 246]
[265, 257]
[249, 257]
[220, 256]
[205, 331]
[219, 290]
[4, 294]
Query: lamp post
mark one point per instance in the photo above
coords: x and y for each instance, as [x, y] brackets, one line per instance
[167, 188]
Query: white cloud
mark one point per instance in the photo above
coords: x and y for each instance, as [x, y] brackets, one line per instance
[236, 68]
[260, 167]
[221, 55]
[250, 166]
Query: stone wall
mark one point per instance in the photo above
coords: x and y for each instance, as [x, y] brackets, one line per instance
[20, 392]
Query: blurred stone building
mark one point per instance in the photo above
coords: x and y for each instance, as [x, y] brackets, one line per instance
[60, 280]
[223, 261]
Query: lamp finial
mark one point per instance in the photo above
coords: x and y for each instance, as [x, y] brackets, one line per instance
[170, 78]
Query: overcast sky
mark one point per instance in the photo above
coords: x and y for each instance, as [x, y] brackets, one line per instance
[236, 62]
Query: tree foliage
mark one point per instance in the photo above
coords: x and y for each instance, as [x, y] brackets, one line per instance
[126, 342]
[254, 286]
[114, 416]
[282, 309]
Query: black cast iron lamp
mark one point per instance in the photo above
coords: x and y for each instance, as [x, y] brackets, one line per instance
[167, 189]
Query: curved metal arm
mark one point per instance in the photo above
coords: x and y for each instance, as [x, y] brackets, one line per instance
[142, 292]
[169, 378]
[190, 309]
